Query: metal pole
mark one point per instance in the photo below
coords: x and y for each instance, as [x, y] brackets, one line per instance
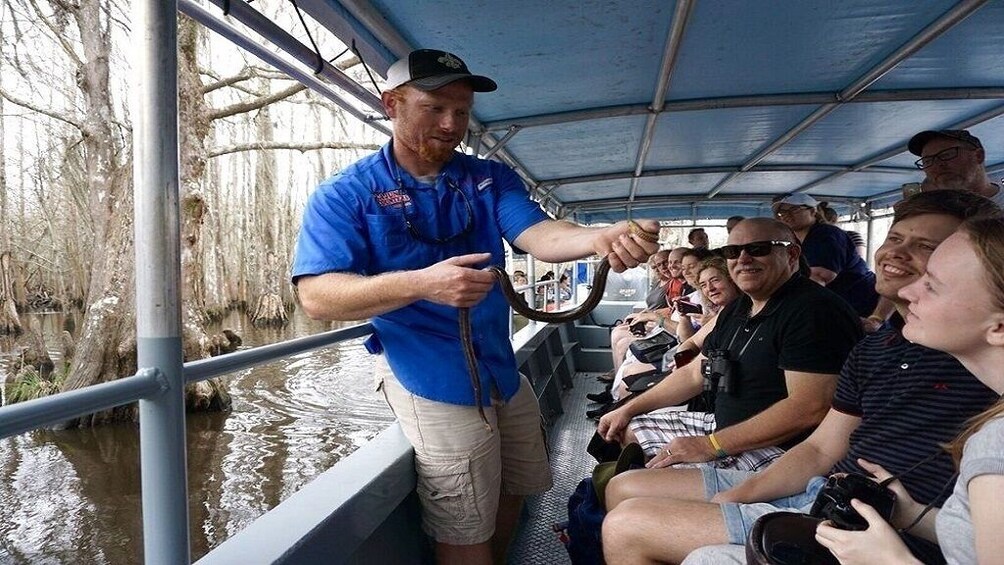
[158, 272]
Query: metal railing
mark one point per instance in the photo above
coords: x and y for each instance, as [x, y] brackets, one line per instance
[145, 386]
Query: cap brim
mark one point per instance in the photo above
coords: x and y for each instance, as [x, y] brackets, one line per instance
[478, 83]
[917, 142]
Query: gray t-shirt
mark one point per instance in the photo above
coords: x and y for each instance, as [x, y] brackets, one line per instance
[983, 455]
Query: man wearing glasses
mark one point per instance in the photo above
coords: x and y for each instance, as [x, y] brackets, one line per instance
[401, 237]
[953, 159]
[771, 361]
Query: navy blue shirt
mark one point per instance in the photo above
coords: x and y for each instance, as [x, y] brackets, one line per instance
[911, 401]
[829, 247]
[355, 223]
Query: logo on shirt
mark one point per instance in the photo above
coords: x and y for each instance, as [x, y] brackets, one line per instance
[484, 184]
[393, 198]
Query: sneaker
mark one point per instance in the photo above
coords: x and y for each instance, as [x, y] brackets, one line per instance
[602, 397]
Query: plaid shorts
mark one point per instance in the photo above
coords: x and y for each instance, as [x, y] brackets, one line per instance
[656, 429]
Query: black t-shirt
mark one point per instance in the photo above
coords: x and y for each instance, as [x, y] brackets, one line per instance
[804, 327]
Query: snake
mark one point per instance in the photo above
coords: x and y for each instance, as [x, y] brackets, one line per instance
[519, 305]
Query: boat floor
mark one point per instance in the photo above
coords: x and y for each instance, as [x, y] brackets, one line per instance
[536, 542]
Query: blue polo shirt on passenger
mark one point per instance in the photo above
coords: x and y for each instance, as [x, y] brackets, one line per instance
[358, 222]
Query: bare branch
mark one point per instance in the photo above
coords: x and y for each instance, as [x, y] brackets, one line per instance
[244, 107]
[301, 146]
[220, 83]
[57, 34]
[44, 111]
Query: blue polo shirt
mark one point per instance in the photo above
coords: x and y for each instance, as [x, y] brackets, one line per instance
[357, 222]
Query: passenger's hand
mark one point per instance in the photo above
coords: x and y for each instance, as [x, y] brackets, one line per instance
[907, 509]
[625, 249]
[457, 281]
[612, 425]
[878, 544]
[692, 449]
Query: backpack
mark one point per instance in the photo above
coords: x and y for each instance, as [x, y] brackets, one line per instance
[586, 509]
[585, 520]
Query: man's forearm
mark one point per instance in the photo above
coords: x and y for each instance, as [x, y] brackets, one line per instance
[346, 296]
[558, 240]
[788, 475]
[780, 422]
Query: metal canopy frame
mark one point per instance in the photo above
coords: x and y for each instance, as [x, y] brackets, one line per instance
[499, 137]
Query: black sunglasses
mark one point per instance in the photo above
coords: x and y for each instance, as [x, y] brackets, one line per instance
[468, 227]
[754, 249]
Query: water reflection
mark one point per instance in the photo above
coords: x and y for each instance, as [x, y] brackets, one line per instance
[74, 496]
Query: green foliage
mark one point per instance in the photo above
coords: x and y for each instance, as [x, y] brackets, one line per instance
[29, 385]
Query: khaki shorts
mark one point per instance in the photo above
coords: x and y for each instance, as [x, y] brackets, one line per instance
[462, 467]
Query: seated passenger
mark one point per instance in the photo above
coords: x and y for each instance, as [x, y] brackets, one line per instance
[719, 291]
[963, 288]
[895, 404]
[698, 238]
[685, 325]
[621, 336]
[776, 353]
[831, 217]
[833, 259]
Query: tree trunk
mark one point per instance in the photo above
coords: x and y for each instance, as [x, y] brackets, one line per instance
[193, 128]
[270, 311]
[107, 349]
[10, 322]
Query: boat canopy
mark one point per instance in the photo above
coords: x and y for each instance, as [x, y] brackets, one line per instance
[691, 110]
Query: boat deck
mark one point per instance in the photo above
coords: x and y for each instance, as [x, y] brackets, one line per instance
[536, 543]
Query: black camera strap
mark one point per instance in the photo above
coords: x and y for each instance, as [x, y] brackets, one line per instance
[748, 341]
[930, 505]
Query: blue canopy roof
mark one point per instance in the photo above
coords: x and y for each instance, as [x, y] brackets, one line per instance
[705, 109]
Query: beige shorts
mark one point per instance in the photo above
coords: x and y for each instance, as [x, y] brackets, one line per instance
[462, 467]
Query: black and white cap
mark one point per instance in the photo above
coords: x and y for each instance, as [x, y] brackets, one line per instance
[429, 69]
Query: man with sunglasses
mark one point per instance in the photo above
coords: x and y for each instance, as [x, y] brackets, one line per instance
[401, 237]
[896, 404]
[771, 361]
[953, 159]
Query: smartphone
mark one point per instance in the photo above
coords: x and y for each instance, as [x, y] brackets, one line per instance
[681, 358]
[688, 307]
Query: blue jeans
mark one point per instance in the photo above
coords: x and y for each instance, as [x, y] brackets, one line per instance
[738, 517]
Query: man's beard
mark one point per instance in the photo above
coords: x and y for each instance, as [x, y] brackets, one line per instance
[437, 155]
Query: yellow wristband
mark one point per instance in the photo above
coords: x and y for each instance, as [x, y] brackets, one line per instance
[719, 452]
[877, 319]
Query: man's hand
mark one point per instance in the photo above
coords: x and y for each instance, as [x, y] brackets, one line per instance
[613, 424]
[687, 449]
[625, 249]
[456, 281]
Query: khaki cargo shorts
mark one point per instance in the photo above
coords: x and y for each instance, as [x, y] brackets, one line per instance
[462, 467]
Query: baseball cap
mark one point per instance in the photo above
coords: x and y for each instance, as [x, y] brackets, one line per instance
[429, 69]
[796, 199]
[917, 142]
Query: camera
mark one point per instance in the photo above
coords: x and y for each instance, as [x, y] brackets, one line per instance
[717, 371]
[638, 329]
[834, 502]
